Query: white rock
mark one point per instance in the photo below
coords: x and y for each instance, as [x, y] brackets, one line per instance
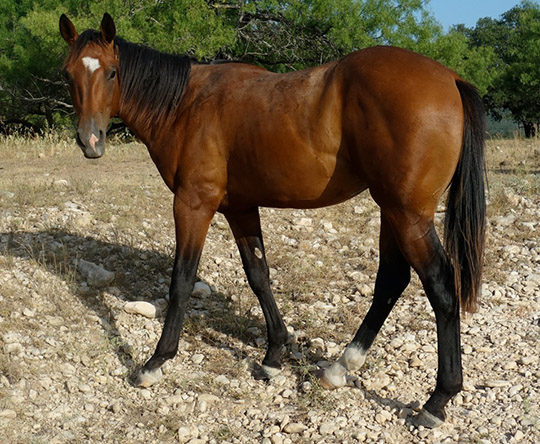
[317, 343]
[467, 349]
[95, 275]
[197, 358]
[294, 427]
[29, 313]
[493, 383]
[14, 348]
[208, 398]
[396, 343]
[8, 414]
[527, 360]
[510, 365]
[7, 194]
[277, 439]
[174, 399]
[201, 290]
[307, 386]
[415, 361]
[61, 183]
[304, 222]
[222, 379]
[327, 428]
[141, 308]
[518, 437]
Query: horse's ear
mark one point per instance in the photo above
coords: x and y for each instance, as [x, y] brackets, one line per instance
[107, 28]
[67, 30]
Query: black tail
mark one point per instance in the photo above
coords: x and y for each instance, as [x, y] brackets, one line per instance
[466, 207]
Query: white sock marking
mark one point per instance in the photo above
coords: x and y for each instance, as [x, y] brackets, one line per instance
[352, 359]
[91, 64]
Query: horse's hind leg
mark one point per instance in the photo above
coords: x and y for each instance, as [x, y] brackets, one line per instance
[246, 228]
[423, 250]
[392, 278]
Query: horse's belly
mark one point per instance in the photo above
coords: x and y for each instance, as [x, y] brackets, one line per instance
[295, 182]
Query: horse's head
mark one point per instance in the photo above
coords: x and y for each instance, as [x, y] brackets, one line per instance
[91, 69]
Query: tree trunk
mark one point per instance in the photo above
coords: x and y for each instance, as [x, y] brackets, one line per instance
[530, 129]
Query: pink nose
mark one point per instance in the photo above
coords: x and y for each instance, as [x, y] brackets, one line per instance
[93, 140]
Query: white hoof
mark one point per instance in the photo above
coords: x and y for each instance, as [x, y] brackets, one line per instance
[426, 419]
[270, 372]
[147, 378]
[330, 379]
[336, 375]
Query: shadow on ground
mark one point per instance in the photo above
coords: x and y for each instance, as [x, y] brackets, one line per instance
[140, 274]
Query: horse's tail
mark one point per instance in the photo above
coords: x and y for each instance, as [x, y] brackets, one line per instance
[466, 206]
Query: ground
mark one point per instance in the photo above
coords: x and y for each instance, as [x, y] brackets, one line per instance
[67, 349]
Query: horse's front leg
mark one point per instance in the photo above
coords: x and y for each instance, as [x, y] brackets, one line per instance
[246, 228]
[191, 223]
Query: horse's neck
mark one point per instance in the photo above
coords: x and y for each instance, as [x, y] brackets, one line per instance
[144, 127]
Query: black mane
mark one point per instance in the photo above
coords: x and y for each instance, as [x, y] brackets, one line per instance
[151, 82]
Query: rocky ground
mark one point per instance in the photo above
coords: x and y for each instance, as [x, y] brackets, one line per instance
[70, 339]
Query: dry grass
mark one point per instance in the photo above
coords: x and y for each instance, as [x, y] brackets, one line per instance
[514, 169]
[124, 221]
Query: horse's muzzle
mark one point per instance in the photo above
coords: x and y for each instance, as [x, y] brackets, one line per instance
[92, 144]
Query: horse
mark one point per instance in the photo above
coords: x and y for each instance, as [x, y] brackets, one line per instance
[232, 137]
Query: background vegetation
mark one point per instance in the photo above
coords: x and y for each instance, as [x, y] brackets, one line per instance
[500, 56]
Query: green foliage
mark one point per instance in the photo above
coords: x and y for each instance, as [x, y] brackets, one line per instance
[300, 33]
[498, 56]
[515, 40]
[32, 92]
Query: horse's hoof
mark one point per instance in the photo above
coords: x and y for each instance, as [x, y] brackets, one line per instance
[426, 419]
[329, 381]
[265, 372]
[147, 378]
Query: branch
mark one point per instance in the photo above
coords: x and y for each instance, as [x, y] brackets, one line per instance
[49, 81]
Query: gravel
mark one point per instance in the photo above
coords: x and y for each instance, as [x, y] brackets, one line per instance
[68, 345]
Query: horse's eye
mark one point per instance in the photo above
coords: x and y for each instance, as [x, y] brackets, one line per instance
[112, 74]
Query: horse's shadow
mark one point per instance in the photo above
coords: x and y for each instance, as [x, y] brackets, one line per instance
[140, 274]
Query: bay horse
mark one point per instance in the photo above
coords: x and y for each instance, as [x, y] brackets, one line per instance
[233, 137]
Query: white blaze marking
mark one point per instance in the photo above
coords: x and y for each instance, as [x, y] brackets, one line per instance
[91, 64]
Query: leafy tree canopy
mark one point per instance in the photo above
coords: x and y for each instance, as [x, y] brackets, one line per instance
[515, 41]
[280, 35]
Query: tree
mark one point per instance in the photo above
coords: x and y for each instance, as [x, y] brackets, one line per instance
[515, 39]
[294, 34]
[279, 35]
[32, 92]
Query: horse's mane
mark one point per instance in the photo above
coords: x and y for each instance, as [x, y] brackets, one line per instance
[151, 82]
